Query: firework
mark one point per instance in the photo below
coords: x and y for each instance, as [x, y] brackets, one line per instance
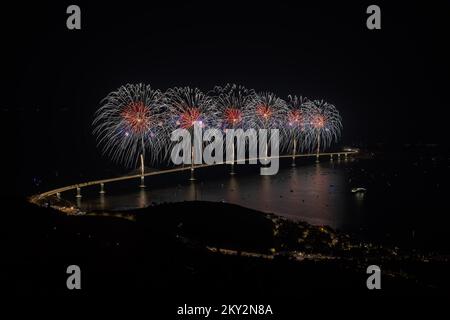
[187, 107]
[296, 133]
[233, 106]
[268, 111]
[325, 124]
[136, 121]
[129, 122]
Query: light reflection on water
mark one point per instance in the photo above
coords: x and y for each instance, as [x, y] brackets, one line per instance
[318, 194]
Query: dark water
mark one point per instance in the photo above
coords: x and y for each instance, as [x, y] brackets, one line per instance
[317, 193]
[405, 203]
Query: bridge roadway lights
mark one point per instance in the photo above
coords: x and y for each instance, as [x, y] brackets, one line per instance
[102, 188]
[192, 178]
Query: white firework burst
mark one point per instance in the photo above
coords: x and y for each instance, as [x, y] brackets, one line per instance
[130, 122]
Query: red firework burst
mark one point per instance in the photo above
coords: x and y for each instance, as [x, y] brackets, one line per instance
[295, 118]
[189, 117]
[137, 117]
[318, 122]
[264, 111]
[233, 116]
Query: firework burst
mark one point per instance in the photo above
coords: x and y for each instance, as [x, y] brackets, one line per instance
[325, 124]
[296, 133]
[233, 108]
[136, 120]
[188, 106]
[268, 111]
[129, 122]
[233, 105]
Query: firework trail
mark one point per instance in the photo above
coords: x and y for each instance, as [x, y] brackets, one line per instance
[129, 122]
[325, 123]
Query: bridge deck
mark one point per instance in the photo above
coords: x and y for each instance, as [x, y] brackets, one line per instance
[40, 196]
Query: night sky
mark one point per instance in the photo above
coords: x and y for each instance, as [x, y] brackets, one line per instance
[390, 85]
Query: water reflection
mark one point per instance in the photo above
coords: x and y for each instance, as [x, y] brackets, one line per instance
[102, 201]
[143, 198]
[234, 190]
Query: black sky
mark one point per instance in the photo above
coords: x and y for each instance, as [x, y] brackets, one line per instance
[390, 85]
